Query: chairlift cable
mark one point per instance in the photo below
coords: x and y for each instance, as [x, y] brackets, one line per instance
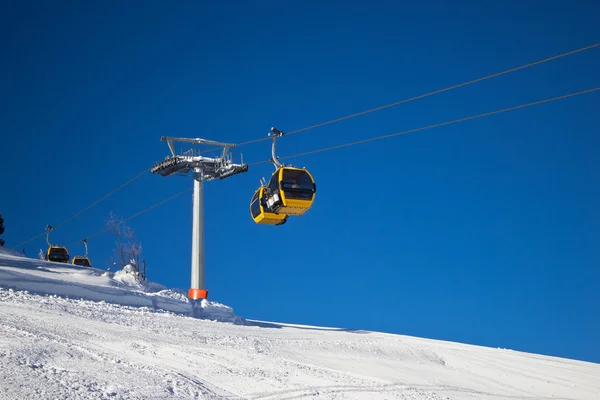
[373, 139]
[359, 142]
[138, 213]
[87, 208]
[430, 93]
[103, 197]
[359, 114]
[454, 121]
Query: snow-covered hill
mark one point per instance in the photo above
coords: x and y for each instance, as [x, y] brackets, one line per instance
[74, 333]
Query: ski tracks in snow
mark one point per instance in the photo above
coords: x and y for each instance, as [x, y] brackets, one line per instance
[42, 356]
[57, 348]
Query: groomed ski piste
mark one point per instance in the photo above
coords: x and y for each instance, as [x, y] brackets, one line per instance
[69, 332]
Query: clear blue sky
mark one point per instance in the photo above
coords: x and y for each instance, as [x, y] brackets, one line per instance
[484, 232]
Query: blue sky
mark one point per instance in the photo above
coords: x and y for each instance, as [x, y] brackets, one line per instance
[483, 232]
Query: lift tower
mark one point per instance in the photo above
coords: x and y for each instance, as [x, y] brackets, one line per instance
[192, 163]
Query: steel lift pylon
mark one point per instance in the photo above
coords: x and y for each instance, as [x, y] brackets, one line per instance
[201, 168]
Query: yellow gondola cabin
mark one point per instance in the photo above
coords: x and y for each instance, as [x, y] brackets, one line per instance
[57, 254]
[291, 191]
[260, 212]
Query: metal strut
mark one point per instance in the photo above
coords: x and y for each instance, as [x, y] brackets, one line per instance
[86, 249]
[48, 228]
[275, 160]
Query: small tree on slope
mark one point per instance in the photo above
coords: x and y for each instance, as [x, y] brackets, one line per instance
[114, 226]
[1, 230]
[128, 249]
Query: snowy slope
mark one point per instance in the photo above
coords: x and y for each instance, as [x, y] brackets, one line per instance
[120, 287]
[126, 346]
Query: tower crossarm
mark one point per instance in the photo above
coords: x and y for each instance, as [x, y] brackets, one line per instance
[170, 140]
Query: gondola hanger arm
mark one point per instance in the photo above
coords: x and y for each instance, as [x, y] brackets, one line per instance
[274, 159]
[86, 248]
[48, 228]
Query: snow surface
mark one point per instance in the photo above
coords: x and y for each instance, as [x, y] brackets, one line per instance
[121, 287]
[69, 332]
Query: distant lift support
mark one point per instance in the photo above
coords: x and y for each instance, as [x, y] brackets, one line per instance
[290, 192]
[55, 253]
[202, 169]
[83, 261]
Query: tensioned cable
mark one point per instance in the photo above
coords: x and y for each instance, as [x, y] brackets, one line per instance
[29, 240]
[87, 208]
[102, 198]
[352, 116]
[430, 93]
[138, 213]
[370, 140]
[435, 125]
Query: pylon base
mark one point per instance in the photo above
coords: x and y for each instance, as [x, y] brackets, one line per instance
[198, 294]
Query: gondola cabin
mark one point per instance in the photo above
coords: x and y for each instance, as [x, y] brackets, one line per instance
[57, 254]
[82, 262]
[291, 191]
[261, 213]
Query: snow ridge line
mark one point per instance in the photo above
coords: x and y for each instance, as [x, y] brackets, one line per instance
[311, 391]
[415, 390]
